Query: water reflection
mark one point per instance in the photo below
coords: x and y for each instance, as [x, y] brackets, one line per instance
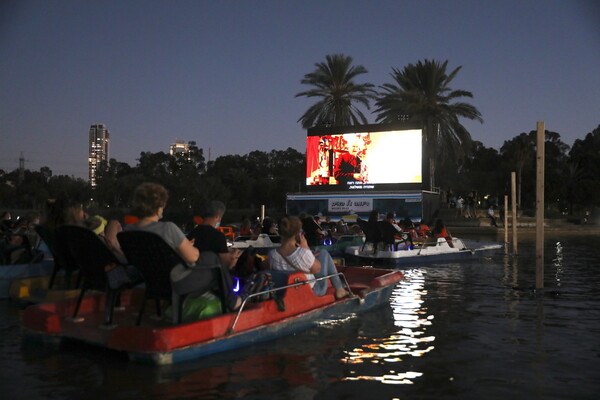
[494, 338]
[410, 340]
[512, 295]
[557, 262]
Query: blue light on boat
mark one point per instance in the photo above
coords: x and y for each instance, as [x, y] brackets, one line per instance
[236, 287]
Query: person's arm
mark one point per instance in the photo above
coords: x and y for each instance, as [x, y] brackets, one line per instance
[316, 265]
[229, 259]
[188, 252]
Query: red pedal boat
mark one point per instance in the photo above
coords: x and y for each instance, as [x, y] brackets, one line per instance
[161, 342]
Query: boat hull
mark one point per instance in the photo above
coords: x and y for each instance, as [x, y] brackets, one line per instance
[266, 333]
[439, 252]
[12, 273]
[160, 342]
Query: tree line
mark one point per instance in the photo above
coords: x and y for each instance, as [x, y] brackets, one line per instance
[263, 178]
[241, 181]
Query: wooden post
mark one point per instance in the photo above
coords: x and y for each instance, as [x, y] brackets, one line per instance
[539, 208]
[262, 213]
[505, 222]
[513, 189]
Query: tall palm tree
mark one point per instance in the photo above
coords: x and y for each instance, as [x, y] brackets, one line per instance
[333, 82]
[421, 93]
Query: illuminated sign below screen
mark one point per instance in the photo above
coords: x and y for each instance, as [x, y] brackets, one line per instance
[364, 160]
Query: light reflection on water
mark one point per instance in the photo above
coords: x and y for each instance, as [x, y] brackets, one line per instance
[411, 339]
[557, 262]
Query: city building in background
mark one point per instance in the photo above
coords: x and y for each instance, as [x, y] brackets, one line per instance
[179, 146]
[99, 138]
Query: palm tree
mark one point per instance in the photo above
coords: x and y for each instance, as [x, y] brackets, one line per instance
[333, 83]
[421, 94]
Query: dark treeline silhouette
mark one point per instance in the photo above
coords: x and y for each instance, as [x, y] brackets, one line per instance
[249, 181]
[241, 181]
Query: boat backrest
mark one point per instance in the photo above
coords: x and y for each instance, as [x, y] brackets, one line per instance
[90, 252]
[130, 219]
[153, 257]
[227, 231]
[372, 233]
[387, 232]
[63, 258]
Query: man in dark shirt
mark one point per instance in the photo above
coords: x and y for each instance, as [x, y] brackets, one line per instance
[206, 237]
[312, 231]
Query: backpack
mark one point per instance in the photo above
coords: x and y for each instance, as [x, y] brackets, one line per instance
[258, 282]
[248, 263]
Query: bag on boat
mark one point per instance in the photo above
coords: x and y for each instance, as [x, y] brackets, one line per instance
[248, 263]
[200, 307]
[258, 282]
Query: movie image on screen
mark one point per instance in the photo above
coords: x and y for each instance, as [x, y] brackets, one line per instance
[364, 160]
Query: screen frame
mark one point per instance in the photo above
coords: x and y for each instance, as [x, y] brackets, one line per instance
[372, 128]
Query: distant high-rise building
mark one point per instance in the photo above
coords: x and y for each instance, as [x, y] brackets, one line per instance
[179, 146]
[99, 138]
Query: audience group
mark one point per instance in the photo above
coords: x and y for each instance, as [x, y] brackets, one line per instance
[297, 235]
[149, 203]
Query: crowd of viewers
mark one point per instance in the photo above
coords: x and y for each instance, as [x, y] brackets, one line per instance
[18, 239]
[297, 236]
[149, 202]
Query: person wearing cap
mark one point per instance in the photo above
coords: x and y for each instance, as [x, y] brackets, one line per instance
[107, 230]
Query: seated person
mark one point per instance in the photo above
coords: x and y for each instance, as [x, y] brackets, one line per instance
[117, 275]
[246, 229]
[61, 211]
[342, 227]
[371, 228]
[149, 201]
[107, 231]
[295, 255]
[328, 224]
[355, 230]
[206, 237]
[407, 224]
[20, 244]
[256, 231]
[313, 232]
[270, 228]
[440, 231]
[64, 211]
[388, 230]
[6, 223]
[423, 230]
[392, 233]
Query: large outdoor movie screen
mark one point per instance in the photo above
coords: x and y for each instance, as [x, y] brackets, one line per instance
[373, 160]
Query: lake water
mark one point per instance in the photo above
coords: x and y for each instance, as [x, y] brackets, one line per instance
[472, 330]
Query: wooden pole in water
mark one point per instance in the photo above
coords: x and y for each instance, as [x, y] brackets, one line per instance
[539, 208]
[513, 190]
[505, 222]
[262, 213]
